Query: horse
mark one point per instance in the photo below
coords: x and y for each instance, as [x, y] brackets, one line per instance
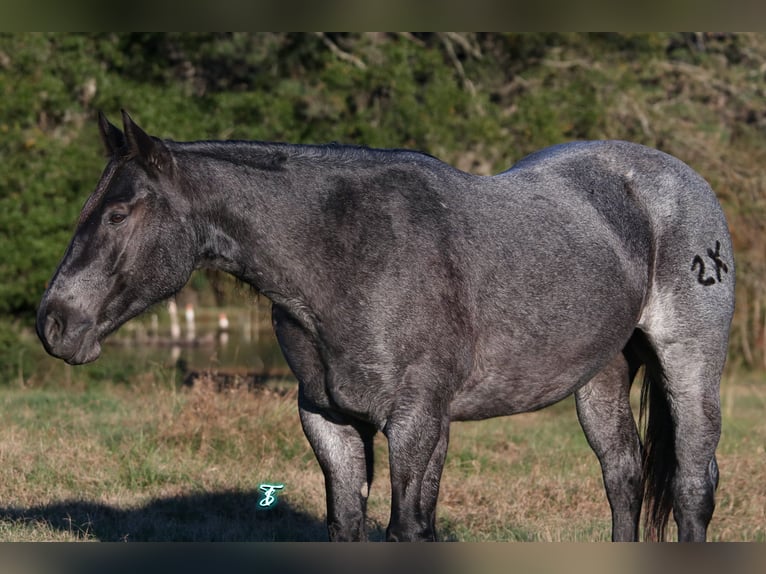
[407, 294]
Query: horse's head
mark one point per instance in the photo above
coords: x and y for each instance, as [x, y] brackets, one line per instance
[133, 246]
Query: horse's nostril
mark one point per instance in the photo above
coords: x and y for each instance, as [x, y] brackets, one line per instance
[53, 328]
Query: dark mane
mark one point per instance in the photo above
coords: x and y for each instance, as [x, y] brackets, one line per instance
[274, 155]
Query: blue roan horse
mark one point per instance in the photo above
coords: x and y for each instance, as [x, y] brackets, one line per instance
[407, 294]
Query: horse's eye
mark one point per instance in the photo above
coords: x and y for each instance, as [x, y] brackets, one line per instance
[117, 218]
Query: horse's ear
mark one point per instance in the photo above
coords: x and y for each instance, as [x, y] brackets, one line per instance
[142, 145]
[113, 138]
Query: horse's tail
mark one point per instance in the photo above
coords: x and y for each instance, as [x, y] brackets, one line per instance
[659, 457]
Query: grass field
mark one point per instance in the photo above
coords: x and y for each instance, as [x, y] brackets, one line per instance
[150, 461]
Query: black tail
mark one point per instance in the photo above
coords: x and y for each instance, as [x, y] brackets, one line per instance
[659, 460]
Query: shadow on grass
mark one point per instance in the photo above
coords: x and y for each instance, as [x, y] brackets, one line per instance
[217, 516]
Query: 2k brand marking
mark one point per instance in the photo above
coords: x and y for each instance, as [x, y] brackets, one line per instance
[720, 265]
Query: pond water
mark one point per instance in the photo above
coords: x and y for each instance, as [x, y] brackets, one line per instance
[246, 345]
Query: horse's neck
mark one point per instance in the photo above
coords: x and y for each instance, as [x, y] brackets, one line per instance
[250, 214]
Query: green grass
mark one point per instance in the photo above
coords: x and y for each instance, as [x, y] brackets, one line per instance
[149, 461]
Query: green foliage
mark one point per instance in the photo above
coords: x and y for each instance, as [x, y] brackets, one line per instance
[478, 101]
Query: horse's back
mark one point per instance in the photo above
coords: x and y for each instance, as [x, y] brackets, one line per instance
[666, 187]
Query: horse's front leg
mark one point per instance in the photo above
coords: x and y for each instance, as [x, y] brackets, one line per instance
[418, 436]
[344, 451]
[342, 445]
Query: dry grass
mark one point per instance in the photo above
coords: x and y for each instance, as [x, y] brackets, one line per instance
[154, 464]
[150, 462]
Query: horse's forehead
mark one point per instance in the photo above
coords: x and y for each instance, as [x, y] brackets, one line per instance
[98, 194]
[114, 172]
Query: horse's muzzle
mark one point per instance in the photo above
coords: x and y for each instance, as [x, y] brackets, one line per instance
[66, 334]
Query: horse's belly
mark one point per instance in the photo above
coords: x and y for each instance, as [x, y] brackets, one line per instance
[498, 395]
[541, 330]
[519, 373]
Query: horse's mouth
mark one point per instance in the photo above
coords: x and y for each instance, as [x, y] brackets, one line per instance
[76, 353]
[83, 354]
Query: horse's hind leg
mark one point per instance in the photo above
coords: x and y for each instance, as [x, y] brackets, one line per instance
[686, 319]
[688, 335]
[692, 378]
[603, 407]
